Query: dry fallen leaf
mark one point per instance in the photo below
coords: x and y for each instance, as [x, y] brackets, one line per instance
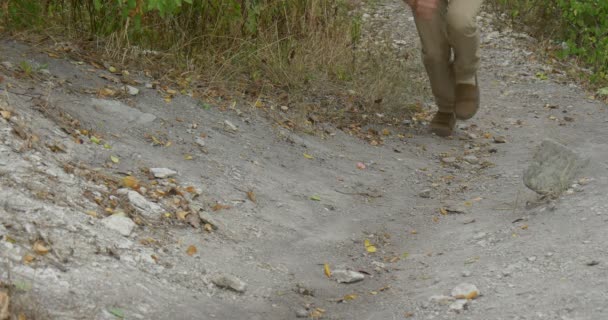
[208, 227]
[4, 305]
[115, 159]
[28, 258]
[41, 248]
[218, 206]
[443, 211]
[326, 270]
[317, 313]
[5, 114]
[350, 297]
[369, 247]
[191, 250]
[307, 156]
[181, 215]
[130, 182]
[251, 196]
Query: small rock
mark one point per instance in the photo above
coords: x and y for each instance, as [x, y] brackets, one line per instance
[426, 193]
[553, 168]
[459, 305]
[302, 313]
[472, 136]
[45, 72]
[142, 205]
[149, 85]
[200, 141]
[441, 300]
[132, 90]
[466, 274]
[229, 282]
[500, 139]
[162, 173]
[465, 291]
[284, 108]
[592, 263]
[8, 65]
[347, 276]
[471, 159]
[120, 223]
[480, 235]
[229, 126]
[448, 160]
[532, 258]
[208, 219]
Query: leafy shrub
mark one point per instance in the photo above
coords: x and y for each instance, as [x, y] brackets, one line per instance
[581, 24]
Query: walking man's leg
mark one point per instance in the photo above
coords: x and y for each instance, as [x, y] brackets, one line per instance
[436, 54]
[463, 36]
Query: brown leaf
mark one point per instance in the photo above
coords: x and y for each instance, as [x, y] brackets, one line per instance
[5, 114]
[218, 206]
[208, 227]
[4, 305]
[251, 196]
[41, 248]
[28, 258]
[130, 182]
[181, 215]
[191, 250]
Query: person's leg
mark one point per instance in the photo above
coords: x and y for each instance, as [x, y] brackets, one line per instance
[463, 36]
[436, 54]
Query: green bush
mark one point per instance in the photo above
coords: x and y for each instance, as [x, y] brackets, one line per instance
[581, 24]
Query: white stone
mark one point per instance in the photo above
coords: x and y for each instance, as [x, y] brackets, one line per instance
[347, 276]
[162, 173]
[142, 205]
[132, 90]
[200, 141]
[448, 160]
[120, 223]
[441, 300]
[229, 282]
[229, 126]
[471, 159]
[465, 291]
[459, 305]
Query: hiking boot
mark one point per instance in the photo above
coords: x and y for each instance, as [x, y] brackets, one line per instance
[443, 123]
[466, 100]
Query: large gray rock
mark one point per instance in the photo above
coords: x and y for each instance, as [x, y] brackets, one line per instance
[121, 112]
[120, 223]
[142, 205]
[553, 168]
[231, 282]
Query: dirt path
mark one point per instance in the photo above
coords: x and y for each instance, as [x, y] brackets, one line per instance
[529, 262]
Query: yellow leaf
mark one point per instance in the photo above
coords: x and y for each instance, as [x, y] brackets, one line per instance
[168, 144]
[181, 215]
[188, 157]
[468, 203]
[366, 243]
[95, 140]
[443, 211]
[386, 132]
[487, 135]
[371, 249]
[112, 69]
[191, 250]
[114, 159]
[167, 215]
[5, 114]
[22, 317]
[251, 196]
[327, 270]
[41, 248]
[92, 213]
[350, 297]
[28, 258]
[130, 182]
[307, 156]
[208, 227]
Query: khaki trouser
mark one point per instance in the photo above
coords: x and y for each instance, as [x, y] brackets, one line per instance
[452, 28]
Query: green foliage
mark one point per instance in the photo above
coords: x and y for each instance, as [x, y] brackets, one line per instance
[581, 24]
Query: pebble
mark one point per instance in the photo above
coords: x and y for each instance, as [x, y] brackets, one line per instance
[132, 90]
[471, 159]
[441, 300]
[200, 141]
[466, 273]
[472, 136]
[459, 305]
[347, 276]
[229, 126]
[231, 282]
[302, 313]
[465, 291]
[149, 85]
[142, 205]
[448, 160]
[8, 65]
[120, 223]
[500, 139]
[532, 258]
[162, 173]
[426, 193]
[480, 235]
